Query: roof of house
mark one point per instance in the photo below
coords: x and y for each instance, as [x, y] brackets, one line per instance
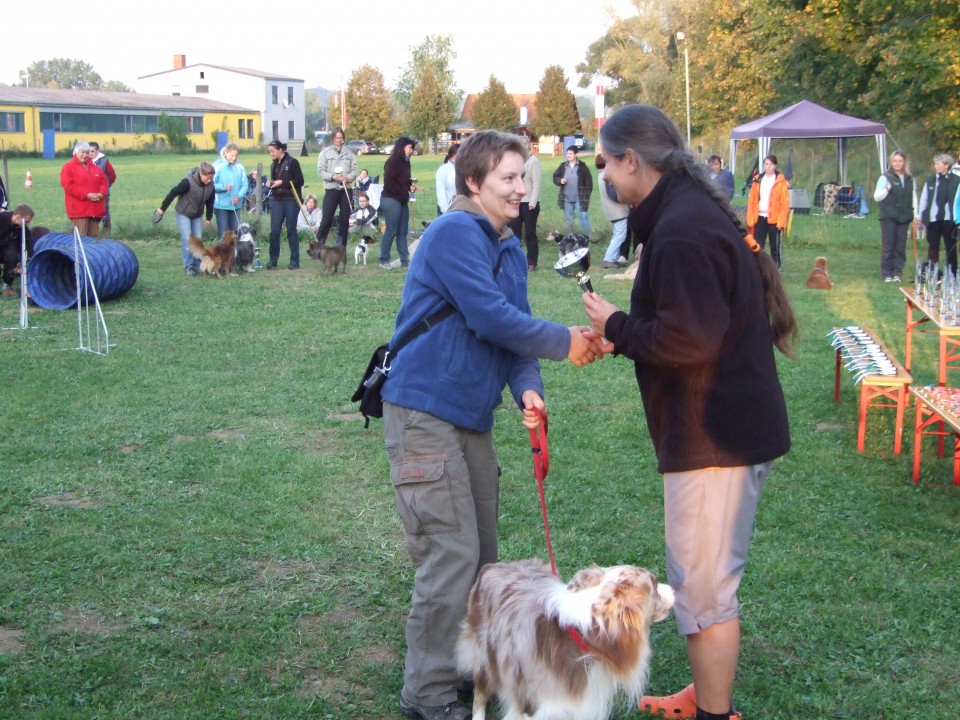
[102, 99]
[238, 70]
[520, 100]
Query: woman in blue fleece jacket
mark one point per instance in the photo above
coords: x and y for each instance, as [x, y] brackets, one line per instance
[440, 398]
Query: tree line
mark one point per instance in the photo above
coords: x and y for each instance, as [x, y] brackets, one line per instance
[896, 63]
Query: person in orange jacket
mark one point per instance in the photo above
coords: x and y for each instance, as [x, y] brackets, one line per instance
[768, 207]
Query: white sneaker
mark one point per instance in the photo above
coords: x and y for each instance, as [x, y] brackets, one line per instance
[888, 279]
[896, 278]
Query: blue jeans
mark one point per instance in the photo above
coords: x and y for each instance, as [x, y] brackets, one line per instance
[189, 227]
[284, 211]
[619, 235]
[569, 208]
[226, 220]
[397, 215]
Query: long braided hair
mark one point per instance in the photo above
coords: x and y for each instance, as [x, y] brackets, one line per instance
[658, 143]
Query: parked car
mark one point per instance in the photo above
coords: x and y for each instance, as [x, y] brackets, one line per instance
[387, 148]
[360, 147]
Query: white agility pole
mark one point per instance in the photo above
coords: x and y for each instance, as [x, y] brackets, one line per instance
[24, 317]
[84, 332]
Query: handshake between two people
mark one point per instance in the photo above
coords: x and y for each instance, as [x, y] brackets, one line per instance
[588, 343]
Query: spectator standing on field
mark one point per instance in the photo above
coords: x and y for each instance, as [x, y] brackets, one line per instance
[446, 180]
[616, 212]
[230, 184]
[576, 184]
[338, 169]
[935, 209]
[897, 196]
[84, 189]
[286, 178]
[721, 177]
[101, 161]
[529, 206]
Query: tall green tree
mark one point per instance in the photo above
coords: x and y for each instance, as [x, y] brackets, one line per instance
[436, 53]
[640, 54]
[66, 74]
[556, 106]
[428, 114]
[370, 107]
[494, 108]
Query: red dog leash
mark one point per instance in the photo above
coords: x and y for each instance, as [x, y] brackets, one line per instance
[541, 465]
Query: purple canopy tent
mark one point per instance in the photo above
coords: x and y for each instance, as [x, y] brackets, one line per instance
[808, 120]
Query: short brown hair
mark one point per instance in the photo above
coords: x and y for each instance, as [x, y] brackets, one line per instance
[482, 152]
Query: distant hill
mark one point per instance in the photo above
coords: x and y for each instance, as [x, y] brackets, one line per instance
[322, 92]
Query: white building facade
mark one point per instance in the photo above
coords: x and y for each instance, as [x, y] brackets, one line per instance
[281, 100]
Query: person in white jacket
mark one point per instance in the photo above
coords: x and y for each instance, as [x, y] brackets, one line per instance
[529, 207]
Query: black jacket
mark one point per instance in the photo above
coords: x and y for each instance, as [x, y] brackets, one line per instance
[286, 169]
[698, 334]
[584, 184]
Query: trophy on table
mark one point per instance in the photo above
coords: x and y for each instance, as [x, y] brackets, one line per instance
[575, 265]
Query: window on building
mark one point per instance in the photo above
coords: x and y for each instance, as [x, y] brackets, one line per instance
[202, 75]
[243, 130]
[290, 96]
[250, 129]
[291, 128]
[194, 124]
[275, 94]
[276, 129]
[203, 89]
[12, 122]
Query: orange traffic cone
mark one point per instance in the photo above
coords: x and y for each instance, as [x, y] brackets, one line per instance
[28, 183]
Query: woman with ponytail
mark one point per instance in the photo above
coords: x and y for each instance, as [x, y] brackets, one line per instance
[706, 310]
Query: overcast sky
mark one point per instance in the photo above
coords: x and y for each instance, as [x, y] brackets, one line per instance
[123, 40]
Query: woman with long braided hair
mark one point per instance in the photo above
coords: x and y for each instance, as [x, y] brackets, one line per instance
[706, 310]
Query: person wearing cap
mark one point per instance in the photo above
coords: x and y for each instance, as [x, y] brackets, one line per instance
[102, 162]
[394, 200]
[576, 184]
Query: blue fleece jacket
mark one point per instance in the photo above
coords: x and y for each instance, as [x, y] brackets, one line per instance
[229, 174]
[457, 370]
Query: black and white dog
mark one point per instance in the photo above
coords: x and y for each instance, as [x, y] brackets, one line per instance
[568, 243]
[246, 250]
[360, 251]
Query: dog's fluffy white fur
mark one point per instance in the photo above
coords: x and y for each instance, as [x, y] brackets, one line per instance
[514, 640]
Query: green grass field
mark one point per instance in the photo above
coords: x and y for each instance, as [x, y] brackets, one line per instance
[198, 526]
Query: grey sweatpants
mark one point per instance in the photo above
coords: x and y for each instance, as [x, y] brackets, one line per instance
[446, 489]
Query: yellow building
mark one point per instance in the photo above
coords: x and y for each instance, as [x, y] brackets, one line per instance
[44, 120]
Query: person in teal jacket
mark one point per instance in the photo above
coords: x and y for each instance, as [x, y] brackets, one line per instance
[230, 184]
[441, 394]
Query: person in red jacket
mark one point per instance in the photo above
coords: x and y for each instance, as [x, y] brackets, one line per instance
[84, 189]
[768, 207]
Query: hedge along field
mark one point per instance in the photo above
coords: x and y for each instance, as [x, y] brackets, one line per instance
[198, 525]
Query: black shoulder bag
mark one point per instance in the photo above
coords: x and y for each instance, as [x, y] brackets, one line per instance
[368, 391]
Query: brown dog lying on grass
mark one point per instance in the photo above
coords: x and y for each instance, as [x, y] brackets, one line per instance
[818, 279]
[330, 255]
[215, 257]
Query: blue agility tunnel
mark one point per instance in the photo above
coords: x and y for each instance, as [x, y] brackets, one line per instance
[52, 280]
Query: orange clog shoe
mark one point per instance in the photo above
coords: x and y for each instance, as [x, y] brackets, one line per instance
[679, 706]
